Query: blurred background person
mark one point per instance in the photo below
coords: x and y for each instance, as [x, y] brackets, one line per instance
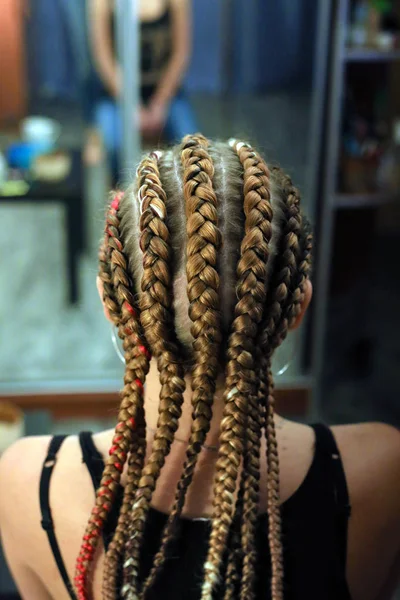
[165, 41]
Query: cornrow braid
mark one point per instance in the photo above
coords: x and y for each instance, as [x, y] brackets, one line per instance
[272, 260]
[247, 506]
[241, 375]
[204, 242]
[137, 364]
[282, 307]
[135, 347]
[105, 274]
[157, 319]
[251, 459]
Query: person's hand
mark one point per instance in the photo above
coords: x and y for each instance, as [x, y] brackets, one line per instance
[151, 119]
[157, 114]
[144, 120]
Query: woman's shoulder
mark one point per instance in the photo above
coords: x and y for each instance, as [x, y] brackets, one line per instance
[374, 444]
[20, 470]
[70, 494]
[21, 463]
[21, 467]
[371, 459]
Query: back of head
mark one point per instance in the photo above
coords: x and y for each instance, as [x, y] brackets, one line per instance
[204, 264]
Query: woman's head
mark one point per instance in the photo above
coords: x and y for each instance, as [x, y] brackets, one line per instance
[204, 266]
[228, 187]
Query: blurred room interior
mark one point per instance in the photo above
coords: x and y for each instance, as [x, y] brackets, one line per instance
[316, 85]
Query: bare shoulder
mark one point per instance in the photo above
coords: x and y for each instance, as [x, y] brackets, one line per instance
[20, 471]
[71, 495]
[20, 468]
[371, 460]
[370, 452]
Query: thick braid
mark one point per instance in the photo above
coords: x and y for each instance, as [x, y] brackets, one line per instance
[273, 335]
[134, 346]
[157, 319]
[282, 307]
[236, 550]
[132, 399]
[203, 244]
[251, 469]
[111, 574]
[105, 274]
[241, 376]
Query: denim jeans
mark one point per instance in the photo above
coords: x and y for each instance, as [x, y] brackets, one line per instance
[180, 122]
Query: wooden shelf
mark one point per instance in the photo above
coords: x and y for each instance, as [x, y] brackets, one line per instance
[371, 55]
[292, 399]
[364, 200]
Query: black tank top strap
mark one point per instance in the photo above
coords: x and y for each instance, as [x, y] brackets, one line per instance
[47, 519]
[91, 457]
[328, 452]
[326, 444]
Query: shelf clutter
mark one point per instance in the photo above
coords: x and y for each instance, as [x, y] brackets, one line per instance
[374, 27]
[364, 200]
[369, 161]
[371, 55]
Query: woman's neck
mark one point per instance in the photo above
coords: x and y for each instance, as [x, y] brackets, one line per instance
[200, 495]
[152, 395]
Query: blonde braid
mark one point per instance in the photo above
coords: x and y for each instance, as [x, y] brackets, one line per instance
[135, 348]
[283, 305]
[204, 242]
[117, 297]
[241, 376]
[158, 323]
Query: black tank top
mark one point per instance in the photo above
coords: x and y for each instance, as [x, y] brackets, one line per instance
[314, 521]
[155, 51]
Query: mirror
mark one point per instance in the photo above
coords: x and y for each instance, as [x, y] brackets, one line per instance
[250, 75]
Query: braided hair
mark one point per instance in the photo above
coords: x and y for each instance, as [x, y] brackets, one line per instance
[157, 319]
[215, 216]
[203, 244]
[129, 435]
